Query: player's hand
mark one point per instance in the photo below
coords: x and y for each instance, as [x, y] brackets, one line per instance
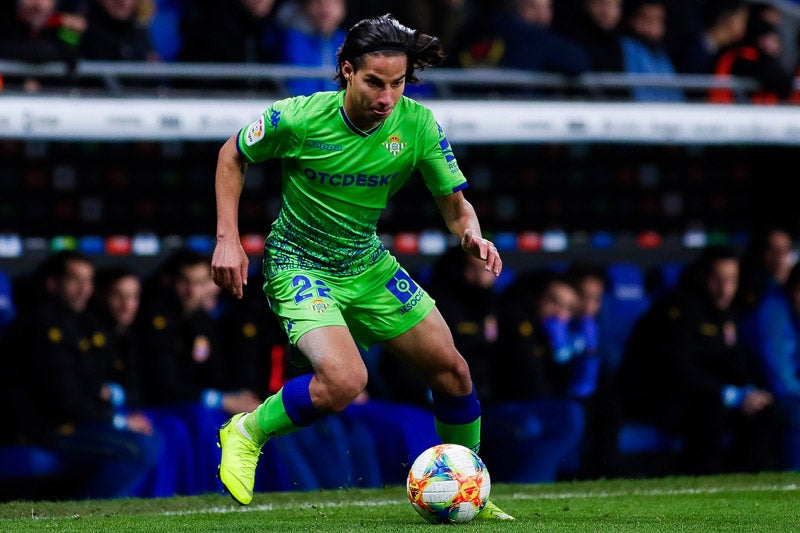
[229, 266]
[482, 249]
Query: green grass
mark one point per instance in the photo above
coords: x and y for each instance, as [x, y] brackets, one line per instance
[735, 503]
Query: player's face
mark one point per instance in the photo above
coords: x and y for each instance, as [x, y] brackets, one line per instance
[374, 89]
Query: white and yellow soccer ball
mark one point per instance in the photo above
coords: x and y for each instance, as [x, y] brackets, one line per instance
[448, 483]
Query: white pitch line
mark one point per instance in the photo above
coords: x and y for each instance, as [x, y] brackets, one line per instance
[654, 492]
[516, 496]
[278, 507]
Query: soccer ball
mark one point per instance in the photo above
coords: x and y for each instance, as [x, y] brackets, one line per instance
[448, 483]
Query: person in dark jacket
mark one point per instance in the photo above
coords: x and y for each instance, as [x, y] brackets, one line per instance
[184, 370]
[685, 371]
[114, 33]
[37, 32]
[58, 356]
[521, 37]
[241, 31]
[596, 27]
[116, 303]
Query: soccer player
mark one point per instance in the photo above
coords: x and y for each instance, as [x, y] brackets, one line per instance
[329, 279]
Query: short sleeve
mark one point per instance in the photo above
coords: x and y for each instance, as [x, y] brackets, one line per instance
[275, 134]
[438, 163]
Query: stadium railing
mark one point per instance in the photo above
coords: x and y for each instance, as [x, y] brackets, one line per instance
[446, 81]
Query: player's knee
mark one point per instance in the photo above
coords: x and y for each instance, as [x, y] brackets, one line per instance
[348, 389]
[461, 375]
[453, 377]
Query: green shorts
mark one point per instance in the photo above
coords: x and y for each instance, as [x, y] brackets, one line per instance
[377, 304]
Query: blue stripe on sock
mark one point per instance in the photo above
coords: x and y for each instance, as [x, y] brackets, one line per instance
[456, 409]
[297, 401]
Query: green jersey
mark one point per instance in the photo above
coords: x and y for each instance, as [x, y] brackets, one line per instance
[337, 179]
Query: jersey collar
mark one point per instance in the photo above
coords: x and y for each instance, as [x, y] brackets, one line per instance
[352, 126]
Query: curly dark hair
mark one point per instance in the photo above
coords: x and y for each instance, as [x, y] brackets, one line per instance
[384, 35]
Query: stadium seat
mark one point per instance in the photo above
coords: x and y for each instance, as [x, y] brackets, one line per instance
[30, 461]
[625, 300]
[634, 438]
[7, 307]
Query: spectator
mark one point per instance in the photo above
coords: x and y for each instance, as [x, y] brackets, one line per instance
[766, 264]
[721, 24]
[312, 36]
[644, 51]
[116, 303]
[115, 33]
[532, 415]
[686, 372]
[58, 357]
[520, 37]
[442, 18]
[758, 57]
[591, 382]
[184, 369]
[772, 331]
[596, 26]
[39, 33]
[241, 31]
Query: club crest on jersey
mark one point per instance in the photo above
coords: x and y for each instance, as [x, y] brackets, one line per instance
[394, 144]
[255, 132]
[318, 305]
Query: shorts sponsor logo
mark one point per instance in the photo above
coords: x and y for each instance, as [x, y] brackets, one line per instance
[255, 132]
[404, 289]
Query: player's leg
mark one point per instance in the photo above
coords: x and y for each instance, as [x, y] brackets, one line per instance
[429, 348]
[339, 376]
[305, 304]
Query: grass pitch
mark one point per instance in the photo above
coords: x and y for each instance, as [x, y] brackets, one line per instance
[734, 503]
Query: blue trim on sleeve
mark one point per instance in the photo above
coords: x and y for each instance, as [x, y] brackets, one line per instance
[461, 187]
[238, 149]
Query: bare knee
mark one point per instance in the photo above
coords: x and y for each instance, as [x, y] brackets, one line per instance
[454, 378]
[333, 393]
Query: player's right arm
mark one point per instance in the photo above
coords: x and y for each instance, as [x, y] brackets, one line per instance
[229, 263]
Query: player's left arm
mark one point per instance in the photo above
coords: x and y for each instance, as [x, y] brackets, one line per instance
[461, 220]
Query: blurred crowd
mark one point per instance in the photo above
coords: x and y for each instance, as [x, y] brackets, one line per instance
[114, 384]
[657, 37]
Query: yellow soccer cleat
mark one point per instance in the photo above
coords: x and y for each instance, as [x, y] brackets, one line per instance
[237, 467]
[492, 512]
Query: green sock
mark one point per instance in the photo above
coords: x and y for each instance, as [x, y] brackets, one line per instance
[269, 420]
[467, 435]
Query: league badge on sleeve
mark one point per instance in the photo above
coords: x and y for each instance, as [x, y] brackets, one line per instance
[255, 132]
